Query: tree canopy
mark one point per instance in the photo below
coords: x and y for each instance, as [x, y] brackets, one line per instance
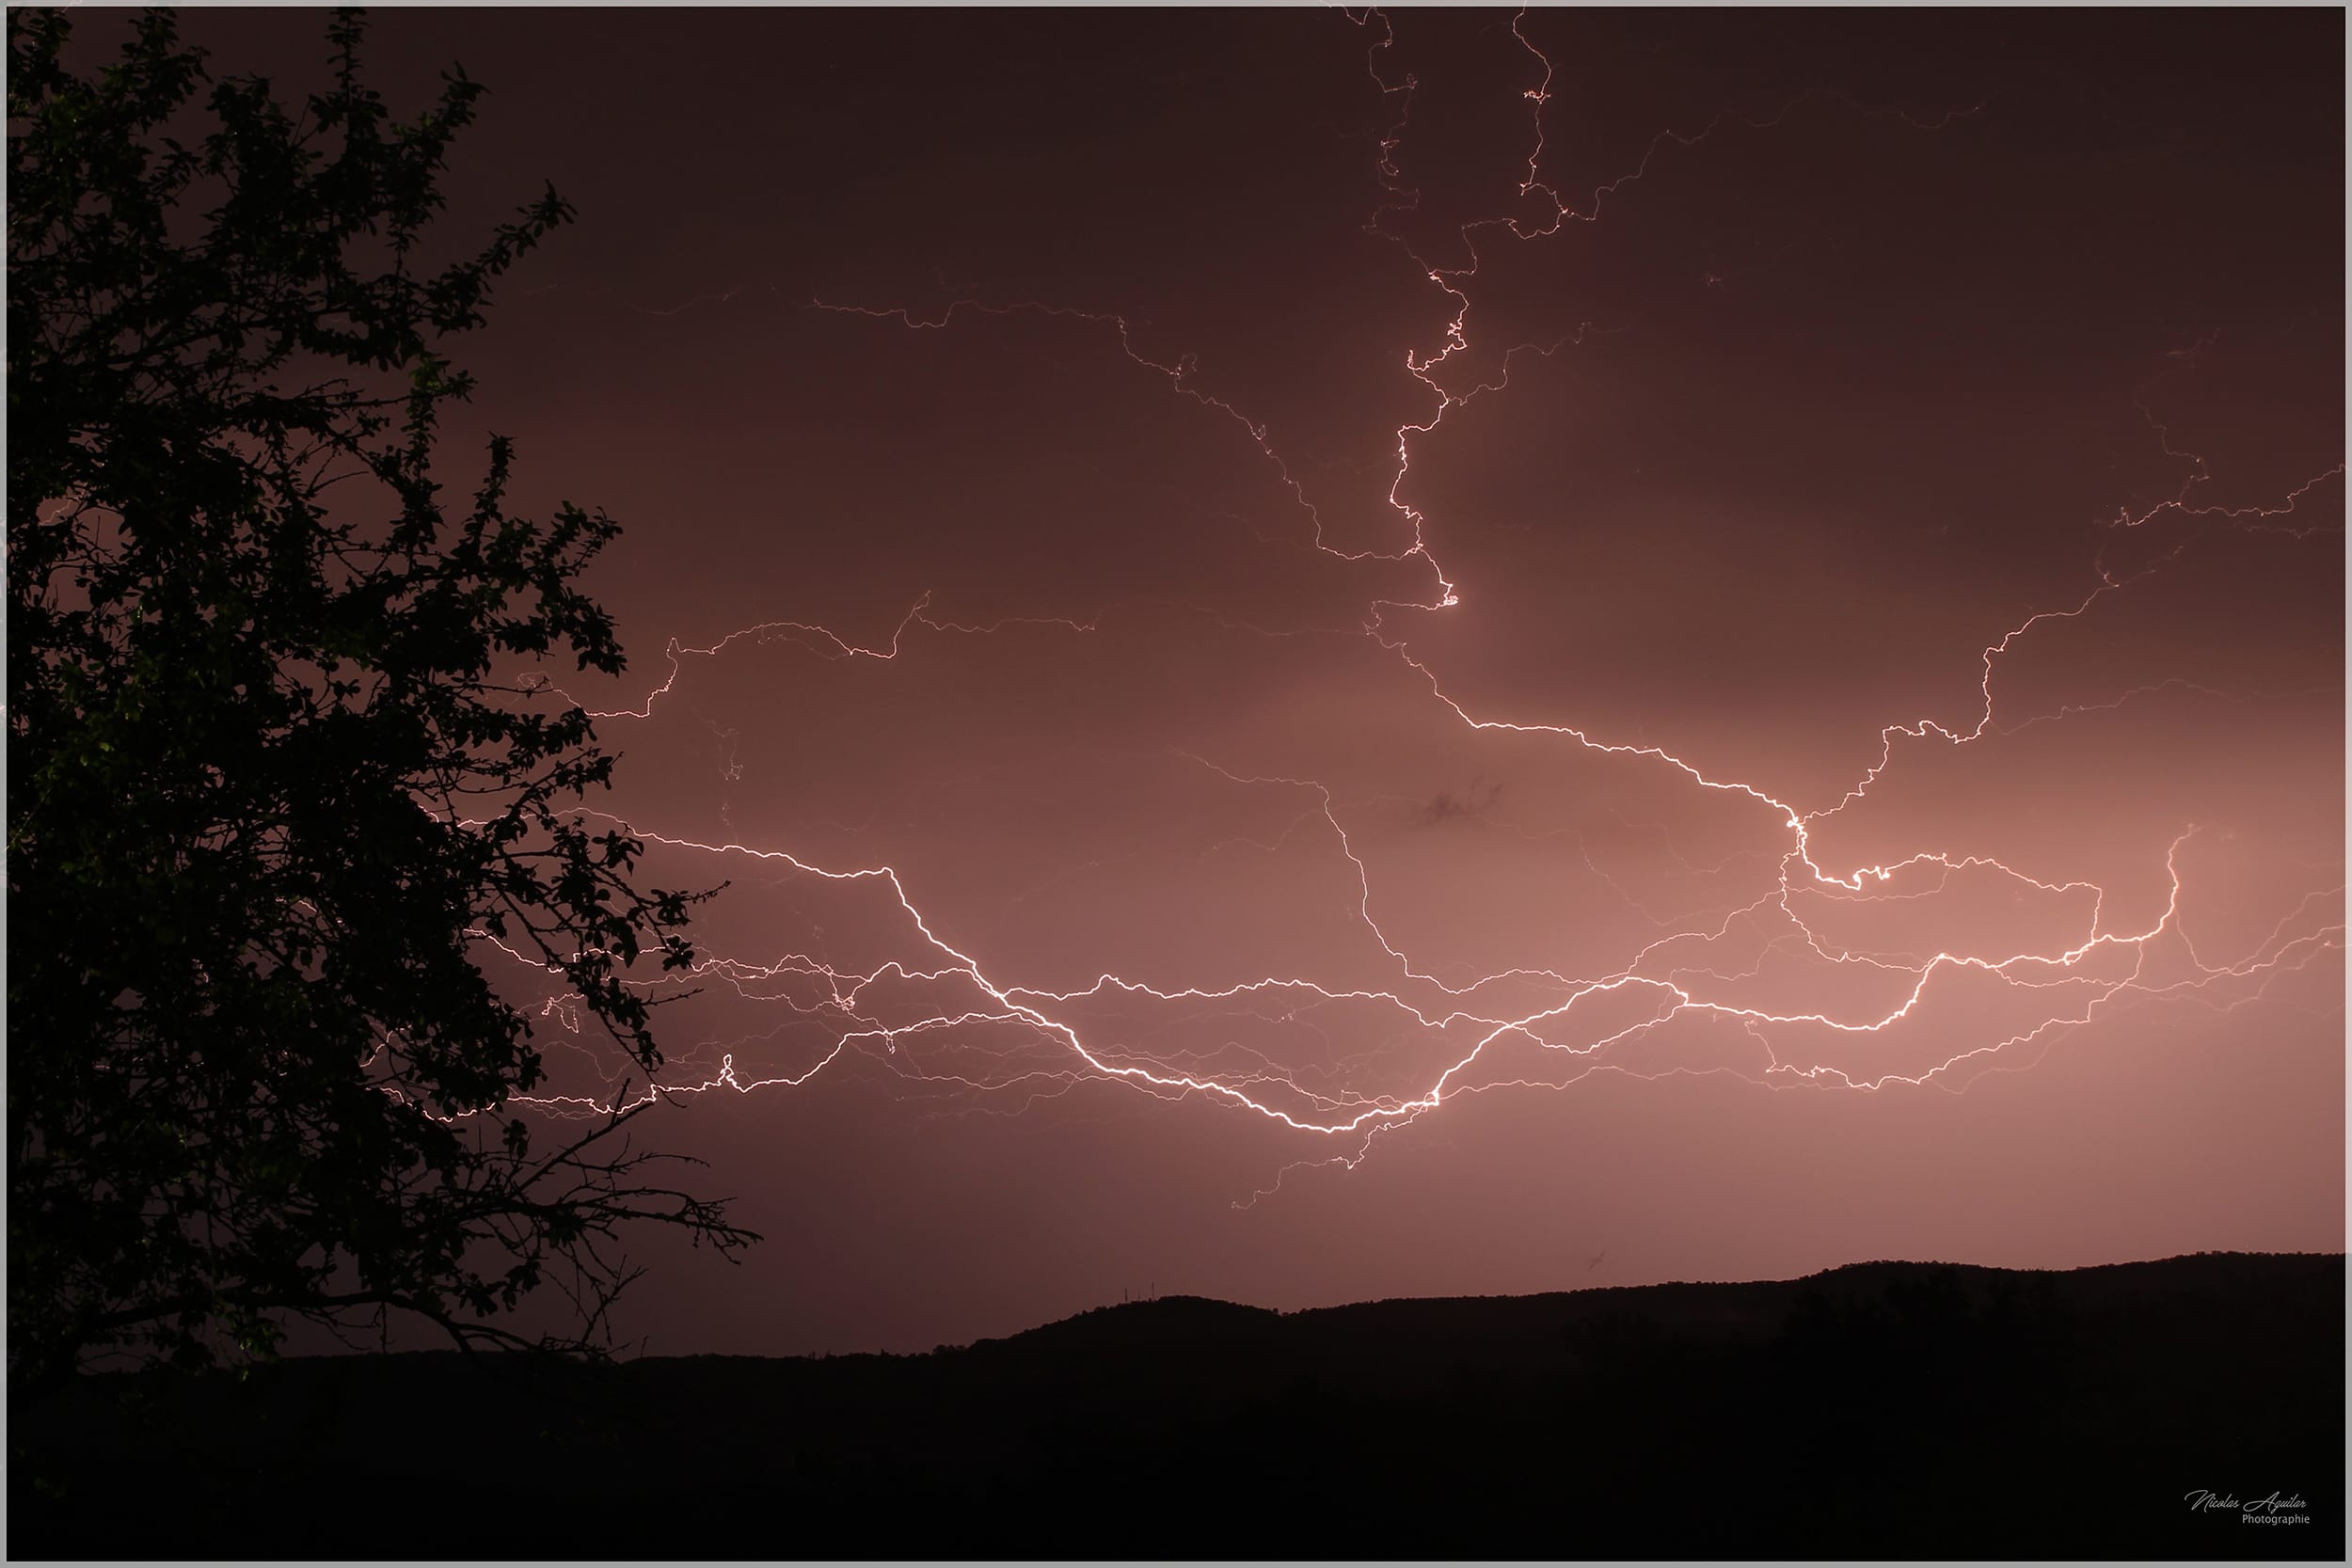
[272, 781]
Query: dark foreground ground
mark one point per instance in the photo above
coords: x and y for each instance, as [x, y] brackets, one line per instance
[1883, 1410]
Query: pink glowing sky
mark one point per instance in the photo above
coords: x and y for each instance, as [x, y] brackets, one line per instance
[1140, 385]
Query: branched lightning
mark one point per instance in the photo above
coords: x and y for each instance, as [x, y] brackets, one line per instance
[947, 1024]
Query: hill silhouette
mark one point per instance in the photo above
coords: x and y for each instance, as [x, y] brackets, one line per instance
[1882, 1409]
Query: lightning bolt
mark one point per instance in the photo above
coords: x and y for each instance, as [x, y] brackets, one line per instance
[947, 1025]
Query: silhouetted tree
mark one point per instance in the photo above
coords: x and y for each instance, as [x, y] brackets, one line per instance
[266, 792]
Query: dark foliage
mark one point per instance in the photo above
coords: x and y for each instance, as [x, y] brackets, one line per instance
[1889, 1410]
[267, 789]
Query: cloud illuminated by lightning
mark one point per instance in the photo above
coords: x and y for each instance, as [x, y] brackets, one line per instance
[946, 1024]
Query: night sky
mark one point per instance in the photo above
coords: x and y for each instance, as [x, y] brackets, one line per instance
[1406, 574]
